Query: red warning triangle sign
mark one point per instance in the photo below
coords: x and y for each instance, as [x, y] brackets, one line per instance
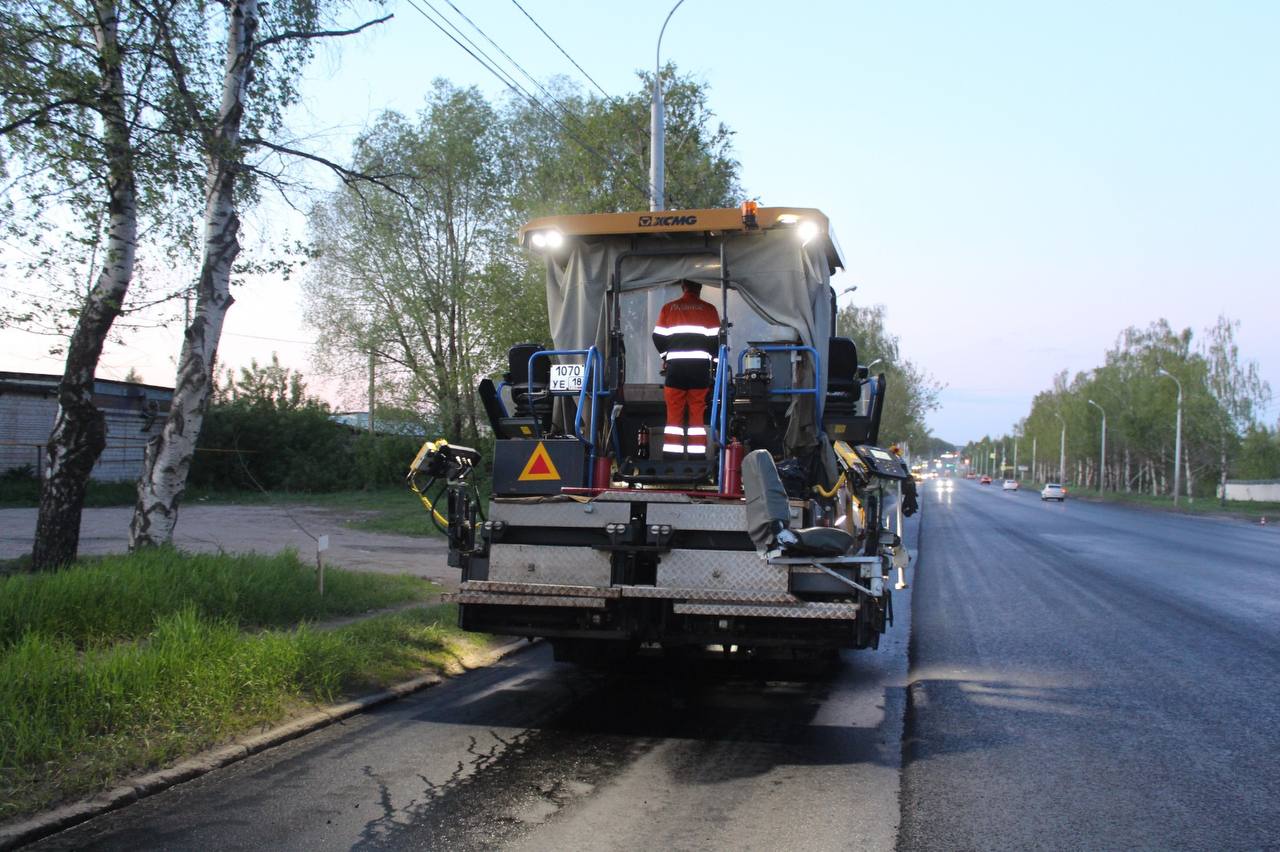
[539, 466]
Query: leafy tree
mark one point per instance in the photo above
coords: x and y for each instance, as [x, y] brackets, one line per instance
[231, 113]
[1221, 396]
[84, 145]
[1238, 388]
[264, 386]
[429, 277]
[416, 277]
[912, 392]
[595, 159]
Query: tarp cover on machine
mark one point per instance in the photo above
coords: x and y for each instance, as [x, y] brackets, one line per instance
[780, 281]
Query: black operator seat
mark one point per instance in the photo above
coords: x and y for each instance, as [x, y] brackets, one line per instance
[843, 384]
[531, 399]
[842, 419]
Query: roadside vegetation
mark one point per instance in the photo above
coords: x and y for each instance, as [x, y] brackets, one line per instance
[122, 664]
[1198, 506]
[1139, 386]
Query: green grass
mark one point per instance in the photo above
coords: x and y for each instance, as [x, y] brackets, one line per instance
[1198, 506]
[120, 597]
[74, 718]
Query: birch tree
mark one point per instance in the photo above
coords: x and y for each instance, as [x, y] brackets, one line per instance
[1238, 388]
[84, 148]
[232, 113]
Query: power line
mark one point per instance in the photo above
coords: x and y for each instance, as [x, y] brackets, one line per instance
[492, 67]
[562, 50]
[577, 120]
[641, 131]
[607, 159]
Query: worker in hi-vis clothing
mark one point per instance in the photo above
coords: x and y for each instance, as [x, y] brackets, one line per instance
[687, 336]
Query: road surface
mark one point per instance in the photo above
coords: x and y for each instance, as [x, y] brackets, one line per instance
[1082, 676]
[1092, 677]
[231, 528]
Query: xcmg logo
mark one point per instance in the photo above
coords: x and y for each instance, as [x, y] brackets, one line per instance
[659, 221]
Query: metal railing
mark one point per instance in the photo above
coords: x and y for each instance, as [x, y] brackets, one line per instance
[793, 391]
[592, 386]
[720, 405]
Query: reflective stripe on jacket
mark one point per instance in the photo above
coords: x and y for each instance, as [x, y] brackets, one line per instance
[688, 328]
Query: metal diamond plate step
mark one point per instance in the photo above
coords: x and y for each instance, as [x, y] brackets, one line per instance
[839, 611]
[494, 599]
[737, 595]
[540, 589]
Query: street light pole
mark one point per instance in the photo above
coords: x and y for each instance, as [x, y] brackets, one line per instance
[1062, 451]
[1102, 460]
[1177, 439]
[1033, 458]
[657, 129]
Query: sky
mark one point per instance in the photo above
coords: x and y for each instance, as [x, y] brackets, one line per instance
[1016, 182]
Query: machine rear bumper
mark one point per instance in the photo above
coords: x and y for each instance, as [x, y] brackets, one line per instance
[667, 616]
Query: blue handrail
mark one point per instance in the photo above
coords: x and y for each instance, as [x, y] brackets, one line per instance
[501, 386]
[720, 405]
[817, 368]
[591, 382]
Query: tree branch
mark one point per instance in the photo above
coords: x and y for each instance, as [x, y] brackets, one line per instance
[41, 113]
[301, 34]
[346, 175]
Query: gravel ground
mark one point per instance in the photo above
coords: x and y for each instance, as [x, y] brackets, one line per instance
[257, 528]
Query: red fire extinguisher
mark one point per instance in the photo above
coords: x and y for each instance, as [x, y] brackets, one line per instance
[602, 472]
[731, 476]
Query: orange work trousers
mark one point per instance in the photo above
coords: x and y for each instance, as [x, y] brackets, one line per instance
[679, 441]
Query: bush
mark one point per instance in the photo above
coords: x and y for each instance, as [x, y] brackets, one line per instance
[247, 447]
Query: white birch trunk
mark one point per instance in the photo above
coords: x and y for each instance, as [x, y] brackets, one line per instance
[169, 454]
[79, 431]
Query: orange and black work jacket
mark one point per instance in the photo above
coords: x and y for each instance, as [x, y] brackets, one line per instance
[688, 337]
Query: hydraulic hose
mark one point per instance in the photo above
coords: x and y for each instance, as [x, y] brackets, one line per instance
[441, 520]
[832, 493]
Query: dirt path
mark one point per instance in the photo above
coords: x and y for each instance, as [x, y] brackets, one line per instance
[261, 529]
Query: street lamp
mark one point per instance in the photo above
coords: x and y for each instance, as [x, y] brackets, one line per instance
[1177, 440]
[657, 130]
[1102, 460]
[1062, 451]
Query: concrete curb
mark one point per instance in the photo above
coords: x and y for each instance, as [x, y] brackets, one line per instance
[15, 834]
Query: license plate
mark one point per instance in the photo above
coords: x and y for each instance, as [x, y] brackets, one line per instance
[566, 378]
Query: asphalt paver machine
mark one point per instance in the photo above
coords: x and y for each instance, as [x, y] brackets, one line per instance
[773, 544]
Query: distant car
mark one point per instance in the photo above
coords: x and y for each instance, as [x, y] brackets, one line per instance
[985, 480]
[1009, 485]
[1053, 491]
[970, 475]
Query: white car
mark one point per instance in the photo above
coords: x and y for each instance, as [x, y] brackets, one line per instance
[1010, 485]
[1053, 491]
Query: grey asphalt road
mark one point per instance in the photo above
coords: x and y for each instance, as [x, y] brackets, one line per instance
[1091, 677]
[253, 528]
[531, 754]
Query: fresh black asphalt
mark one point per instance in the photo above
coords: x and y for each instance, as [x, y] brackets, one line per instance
[1081, 677]
[1091, 677]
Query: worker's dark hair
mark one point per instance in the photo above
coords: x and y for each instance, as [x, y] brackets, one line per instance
[692, 286]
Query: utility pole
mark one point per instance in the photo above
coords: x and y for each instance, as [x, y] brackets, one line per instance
[371, 391]
[657, 128]
[1033, 458]
[1177, 440]
[1062, 451]
[1102, 459]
